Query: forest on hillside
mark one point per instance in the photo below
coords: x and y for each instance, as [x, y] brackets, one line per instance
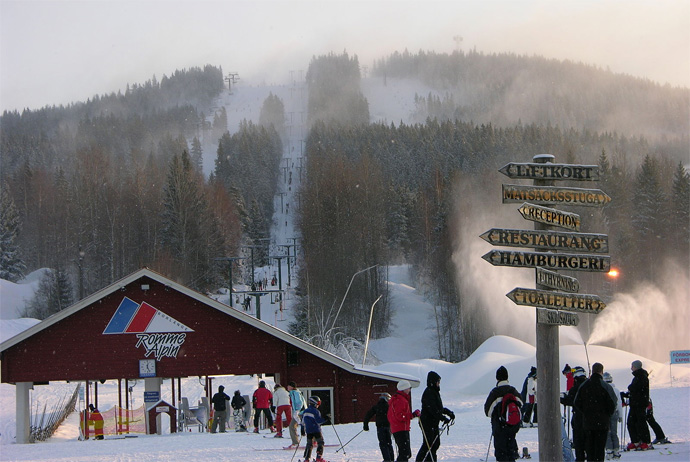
[99, 189]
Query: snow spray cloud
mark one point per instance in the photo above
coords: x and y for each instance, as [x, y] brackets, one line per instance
[651, 320]
[483, 287]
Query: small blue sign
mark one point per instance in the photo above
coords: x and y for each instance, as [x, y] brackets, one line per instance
[152, 396]
[680, 357]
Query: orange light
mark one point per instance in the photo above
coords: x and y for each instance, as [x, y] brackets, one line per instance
[613, 273]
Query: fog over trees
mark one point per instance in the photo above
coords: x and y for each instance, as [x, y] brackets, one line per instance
[115, 183]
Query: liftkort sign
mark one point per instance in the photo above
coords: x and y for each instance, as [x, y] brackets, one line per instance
[547, 240]
[548, 171]
[553, 195]
[554, 261]
[557, 300]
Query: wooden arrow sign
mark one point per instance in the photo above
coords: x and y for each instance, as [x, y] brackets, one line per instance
[553, 261]
[549, 216]
[557, 300]
[558, 318]
[553, 195]
[550, 171]
[547, 240]
[557, 281]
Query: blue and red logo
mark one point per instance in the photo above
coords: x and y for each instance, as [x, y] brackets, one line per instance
[160, 334]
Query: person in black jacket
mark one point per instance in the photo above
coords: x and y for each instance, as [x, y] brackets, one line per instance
[220, 413]
[576, 421]
[595, 402]
[383, 428]
[433, 412]
[638, 394]
[505, 445]
[237, 404]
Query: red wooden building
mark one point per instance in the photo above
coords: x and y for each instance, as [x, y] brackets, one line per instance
[146, 325]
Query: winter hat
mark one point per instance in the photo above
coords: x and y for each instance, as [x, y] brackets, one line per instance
[501, 374]
[237, 392]
[608, 378]
[578, 371]
[386, 396]
[221, 388]
[432, 379]
[262, 384]
[404, 385]
[315, 400]
[292, 384]
[277, 385]
[566, 369]
[637, 364]
[533, 371]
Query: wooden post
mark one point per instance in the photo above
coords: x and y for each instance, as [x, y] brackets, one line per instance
[548, 403]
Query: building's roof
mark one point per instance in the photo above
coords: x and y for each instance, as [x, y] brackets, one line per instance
[257, 323]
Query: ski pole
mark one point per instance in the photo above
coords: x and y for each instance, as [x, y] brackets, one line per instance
[349, 442]
[428, 448]
[337, 436]
[488, 448]
[299, 440]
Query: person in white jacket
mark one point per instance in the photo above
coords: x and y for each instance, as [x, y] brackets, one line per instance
[281, 401]
[612, 441]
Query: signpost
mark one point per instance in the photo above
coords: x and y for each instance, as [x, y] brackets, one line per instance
[578, 303]
[557, 318]
[551, 171]
[547, 240]
[553, 280]
[549, 216]
[513, 193]
[554, 308]
[554, 261]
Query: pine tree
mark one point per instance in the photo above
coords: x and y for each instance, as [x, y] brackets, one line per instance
[197, 155]
[680, 213]
[54, 294]
[649, 220]
[11, 265]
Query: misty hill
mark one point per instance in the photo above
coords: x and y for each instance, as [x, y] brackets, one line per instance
[506, 89]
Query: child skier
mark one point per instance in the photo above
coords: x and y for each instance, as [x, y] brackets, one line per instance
[311, 422]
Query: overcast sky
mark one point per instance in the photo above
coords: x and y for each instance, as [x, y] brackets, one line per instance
[57, 52]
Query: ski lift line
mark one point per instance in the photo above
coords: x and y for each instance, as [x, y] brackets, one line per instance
[348, 290]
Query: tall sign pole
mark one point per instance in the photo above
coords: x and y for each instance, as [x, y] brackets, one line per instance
[550, 443]
[556, 296]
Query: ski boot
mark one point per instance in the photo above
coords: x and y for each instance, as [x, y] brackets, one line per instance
[278, 435]
[256, 429]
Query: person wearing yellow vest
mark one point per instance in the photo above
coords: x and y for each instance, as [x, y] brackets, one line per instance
[96, 419]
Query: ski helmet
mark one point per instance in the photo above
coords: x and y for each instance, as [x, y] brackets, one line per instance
[315, 400]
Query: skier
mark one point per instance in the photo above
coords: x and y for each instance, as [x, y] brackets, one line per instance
[612, 440]
[298, 405]
[576, 422]
[529, 415]
[505, 445]
[596, 402]
[311, 421]
[237, 404]
[432, 413]
[220, 413]
[261, 402]
[283, 407]
[97, 420]
[638, 394]
[399, 416]
[569, 380]
[383, 427]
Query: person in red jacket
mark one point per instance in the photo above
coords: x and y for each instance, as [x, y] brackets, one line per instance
[399, 415]
[262, 400]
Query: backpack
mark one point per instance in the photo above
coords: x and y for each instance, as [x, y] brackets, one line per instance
[510, 411]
